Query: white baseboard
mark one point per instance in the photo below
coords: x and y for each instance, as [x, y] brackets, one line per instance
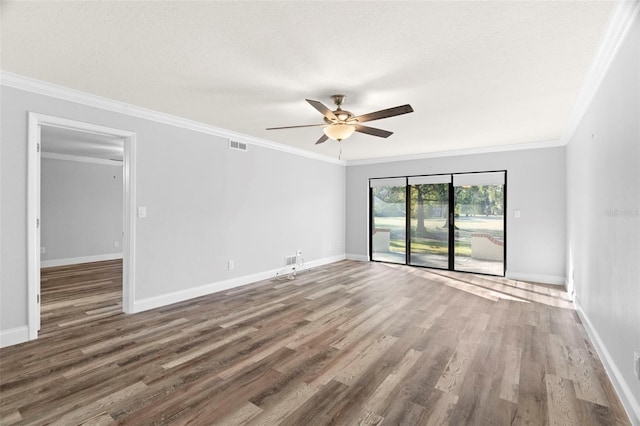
[358, 257]
[536, 278]
[619, 383]
[76, 260]
[180, 296]
[324, 261]
[13, 336]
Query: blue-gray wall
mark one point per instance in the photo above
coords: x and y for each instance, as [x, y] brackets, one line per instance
[603, 216]
[81, 211]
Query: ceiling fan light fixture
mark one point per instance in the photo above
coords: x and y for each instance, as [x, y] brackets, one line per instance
[339, 131]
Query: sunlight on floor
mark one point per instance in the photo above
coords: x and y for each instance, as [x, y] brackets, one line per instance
[495, 288]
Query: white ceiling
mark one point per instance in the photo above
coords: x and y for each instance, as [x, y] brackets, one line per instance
[478, 74]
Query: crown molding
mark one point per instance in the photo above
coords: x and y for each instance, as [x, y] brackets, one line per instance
[454, 153]
[20, 82]
[78, 158]
[620, 22]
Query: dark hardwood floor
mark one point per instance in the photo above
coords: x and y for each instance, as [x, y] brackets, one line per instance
[352, 343]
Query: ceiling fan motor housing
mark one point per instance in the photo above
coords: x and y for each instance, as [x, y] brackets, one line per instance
[343, 117]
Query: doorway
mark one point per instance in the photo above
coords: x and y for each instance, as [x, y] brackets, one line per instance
[450, 221]
[39, 123]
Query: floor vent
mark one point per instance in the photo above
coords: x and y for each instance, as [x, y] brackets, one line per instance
[240, 146]
[290, 260]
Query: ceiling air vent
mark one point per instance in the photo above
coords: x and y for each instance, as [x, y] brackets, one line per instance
[240, 146]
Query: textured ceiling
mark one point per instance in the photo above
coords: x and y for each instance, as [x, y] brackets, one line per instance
[477, 74]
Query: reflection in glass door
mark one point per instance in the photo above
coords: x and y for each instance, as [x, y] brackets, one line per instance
[429, 225]
[388, 220]
[479, 223]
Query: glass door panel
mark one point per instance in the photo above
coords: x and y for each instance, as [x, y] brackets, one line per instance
[388, 220]
[429, 224]
[479, 223]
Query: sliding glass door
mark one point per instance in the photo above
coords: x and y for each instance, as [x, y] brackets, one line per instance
[388, 236]
[429, 243]
[453, 221]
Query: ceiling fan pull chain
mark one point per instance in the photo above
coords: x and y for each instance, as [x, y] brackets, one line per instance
[340, 155]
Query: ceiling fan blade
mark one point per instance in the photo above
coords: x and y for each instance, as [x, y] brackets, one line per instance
[295, 127]
[328, 114]
[323, 139]
[373, 131]
[385, 113]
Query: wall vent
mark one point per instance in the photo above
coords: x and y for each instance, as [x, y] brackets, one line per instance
[240, 146]
[290, 260]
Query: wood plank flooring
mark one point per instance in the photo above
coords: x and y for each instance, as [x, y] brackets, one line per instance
[352, 343]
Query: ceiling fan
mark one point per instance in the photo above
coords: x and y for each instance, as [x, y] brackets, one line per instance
[340, 124]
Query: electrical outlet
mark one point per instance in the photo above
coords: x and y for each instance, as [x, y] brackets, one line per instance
[43, 250]
[636, 364]
[230, 265]
[116, 244]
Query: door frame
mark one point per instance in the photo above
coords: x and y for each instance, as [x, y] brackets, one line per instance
[35, 123]
[451, 262]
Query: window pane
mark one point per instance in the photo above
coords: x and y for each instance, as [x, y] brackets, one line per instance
[388, 230]
[429, 225]
[479, 229]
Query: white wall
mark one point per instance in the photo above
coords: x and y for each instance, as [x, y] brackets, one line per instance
[603, 215]
[535, 186]
[206, 204]
[81, 211]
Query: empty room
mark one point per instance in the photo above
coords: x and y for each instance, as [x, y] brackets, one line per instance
[319, 212]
